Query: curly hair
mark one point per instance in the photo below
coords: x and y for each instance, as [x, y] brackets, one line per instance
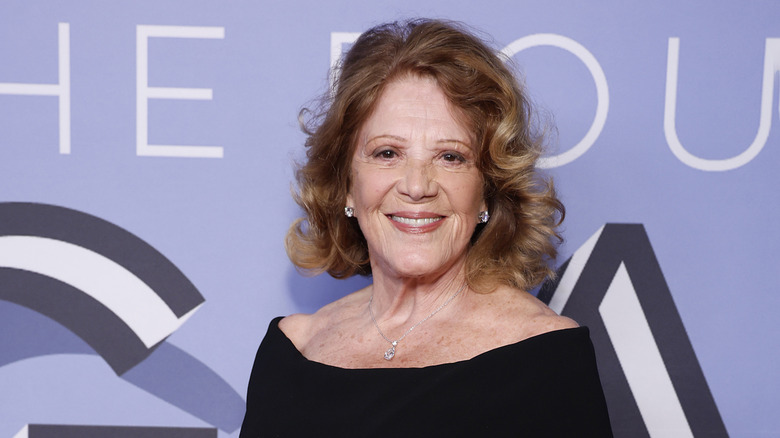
[518, 244]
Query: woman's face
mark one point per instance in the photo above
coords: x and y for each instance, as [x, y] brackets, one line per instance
[415, 189]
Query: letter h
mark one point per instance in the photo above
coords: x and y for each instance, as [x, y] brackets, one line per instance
[61, 89]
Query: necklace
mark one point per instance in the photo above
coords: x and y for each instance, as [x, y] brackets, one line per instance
[390, 353]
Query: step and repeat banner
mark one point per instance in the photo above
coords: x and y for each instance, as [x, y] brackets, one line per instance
[146, 161]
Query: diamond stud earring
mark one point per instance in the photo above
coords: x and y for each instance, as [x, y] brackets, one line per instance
[349, 211]
[483, 217]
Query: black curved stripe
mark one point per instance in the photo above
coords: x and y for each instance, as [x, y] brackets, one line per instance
[107, 239]
[86, 317]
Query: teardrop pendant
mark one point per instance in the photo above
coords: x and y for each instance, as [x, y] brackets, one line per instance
[390, 353]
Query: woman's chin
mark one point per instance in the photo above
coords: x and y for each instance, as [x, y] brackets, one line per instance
[419, 267]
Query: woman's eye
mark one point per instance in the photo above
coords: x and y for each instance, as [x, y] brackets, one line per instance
[386, 154]
[453, 157]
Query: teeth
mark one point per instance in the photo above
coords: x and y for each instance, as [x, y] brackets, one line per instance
[415, 222]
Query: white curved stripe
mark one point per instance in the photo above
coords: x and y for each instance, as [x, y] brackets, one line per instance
[641, 360]
[109, 283]
[573, 271]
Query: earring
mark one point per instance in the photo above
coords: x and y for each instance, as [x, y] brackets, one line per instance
[483, 217]
[349, 211]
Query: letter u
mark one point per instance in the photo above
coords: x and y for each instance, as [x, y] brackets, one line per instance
[771, 66]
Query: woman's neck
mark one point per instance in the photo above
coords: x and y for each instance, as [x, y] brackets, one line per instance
[403, 302]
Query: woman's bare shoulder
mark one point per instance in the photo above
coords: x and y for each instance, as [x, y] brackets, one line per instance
[523, 315]
[300, 328]
[543, 319]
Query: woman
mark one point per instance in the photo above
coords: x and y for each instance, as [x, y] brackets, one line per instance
[421, 174]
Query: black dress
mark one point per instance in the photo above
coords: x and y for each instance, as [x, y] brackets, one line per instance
[544, 386]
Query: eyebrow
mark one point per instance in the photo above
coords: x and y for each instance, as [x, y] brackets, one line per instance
[402, 139]
[452, 140]
[383, 136]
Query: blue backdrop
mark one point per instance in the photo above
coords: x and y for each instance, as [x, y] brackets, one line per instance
[146, 153]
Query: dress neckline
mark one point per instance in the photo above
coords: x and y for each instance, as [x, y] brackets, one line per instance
[527, 342]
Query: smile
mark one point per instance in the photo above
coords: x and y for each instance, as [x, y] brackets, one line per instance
[415, 222]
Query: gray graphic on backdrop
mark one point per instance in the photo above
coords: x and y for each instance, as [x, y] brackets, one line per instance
[652, 379]
[70, 431]
[117, 294]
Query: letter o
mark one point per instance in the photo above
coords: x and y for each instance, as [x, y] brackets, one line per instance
[602, 91]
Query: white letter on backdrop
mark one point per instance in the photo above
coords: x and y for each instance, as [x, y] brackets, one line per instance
[337, 41]
[771, 66]
[144, 92]
[602, 91]
[61, 89]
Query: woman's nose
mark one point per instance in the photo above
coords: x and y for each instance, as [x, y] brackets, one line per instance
[418, 181]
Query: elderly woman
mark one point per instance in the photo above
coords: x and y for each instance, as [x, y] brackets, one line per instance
[420, 173]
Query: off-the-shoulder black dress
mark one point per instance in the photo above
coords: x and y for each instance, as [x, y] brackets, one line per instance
[544, 386]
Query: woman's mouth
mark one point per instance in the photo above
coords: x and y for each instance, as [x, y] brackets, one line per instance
[415, 222]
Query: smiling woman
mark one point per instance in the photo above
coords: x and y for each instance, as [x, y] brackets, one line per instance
[421, 173]
[416, 189]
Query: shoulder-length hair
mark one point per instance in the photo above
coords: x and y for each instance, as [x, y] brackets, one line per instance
[518, 244]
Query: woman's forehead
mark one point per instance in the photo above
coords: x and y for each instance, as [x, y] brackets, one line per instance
[415, 105]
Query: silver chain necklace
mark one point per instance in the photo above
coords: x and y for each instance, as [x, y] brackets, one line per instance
[390, 353]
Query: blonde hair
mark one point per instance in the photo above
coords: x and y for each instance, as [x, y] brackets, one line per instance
[517, 245]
